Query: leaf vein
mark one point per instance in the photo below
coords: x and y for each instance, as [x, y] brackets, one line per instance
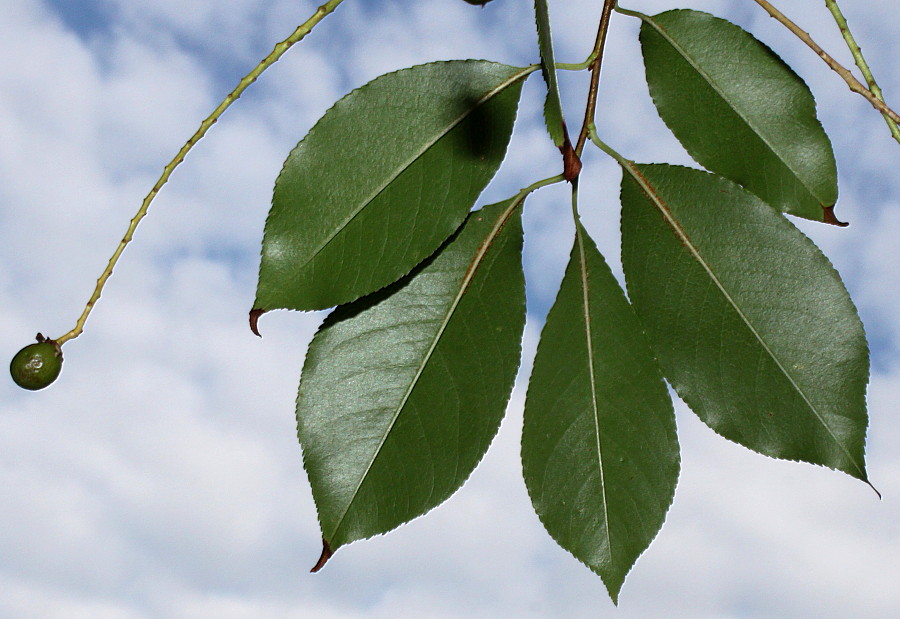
[686, 241]
[714, 85]
[403, 167]
[477, 260]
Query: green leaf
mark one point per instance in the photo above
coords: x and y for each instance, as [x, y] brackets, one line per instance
[751, 323]
[403, 390]
[740, 111]
[599, 449]
[553, 115]
[383, 179]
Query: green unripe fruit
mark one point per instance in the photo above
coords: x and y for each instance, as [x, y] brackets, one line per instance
[37, 365]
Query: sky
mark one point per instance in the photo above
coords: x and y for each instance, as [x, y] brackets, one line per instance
[161, 475]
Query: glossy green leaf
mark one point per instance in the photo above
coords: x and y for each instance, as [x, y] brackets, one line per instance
[740, 111]
[751, 323]
[403, 390]
[553, 115]
[383, 179]
[599, 449]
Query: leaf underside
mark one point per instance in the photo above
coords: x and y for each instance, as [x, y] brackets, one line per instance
[384, 177]
[740, 111]
[751, 323]
[402, 391]
[599, 448]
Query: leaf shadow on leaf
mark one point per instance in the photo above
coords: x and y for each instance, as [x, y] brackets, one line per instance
[476, 134]
[348, 311]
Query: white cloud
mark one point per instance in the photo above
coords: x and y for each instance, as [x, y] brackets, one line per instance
[160, 477]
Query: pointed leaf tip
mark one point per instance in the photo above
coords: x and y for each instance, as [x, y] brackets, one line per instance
[254, 321]
[874, 489]
[829, 218]
[600, 453]
[759, 126]
[403, 391]
[751, 323]
[327, 553]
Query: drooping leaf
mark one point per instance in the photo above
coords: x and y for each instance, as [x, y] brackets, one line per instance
[403, 390]
[383, 179]
[740, 111]
[751, 323]
[599, 448]
[553, 114]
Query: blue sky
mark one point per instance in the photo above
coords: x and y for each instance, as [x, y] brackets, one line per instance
[161, 476]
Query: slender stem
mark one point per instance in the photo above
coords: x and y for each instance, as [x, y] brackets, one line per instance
[854, 84]
[595, 61]
[630, 13]
[551, 180]
[575, 216]
[245, 82]
[574, 66]
[606, 148]
[519, 199]
[861, 62]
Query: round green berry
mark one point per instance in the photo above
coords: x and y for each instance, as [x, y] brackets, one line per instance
[37, 365]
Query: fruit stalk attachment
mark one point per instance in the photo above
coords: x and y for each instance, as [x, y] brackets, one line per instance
[37, 365]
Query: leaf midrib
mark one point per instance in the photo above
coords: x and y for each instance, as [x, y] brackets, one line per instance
[712, 84]
[448, 316]
[404, 166]
[673, 223]
[595, 407]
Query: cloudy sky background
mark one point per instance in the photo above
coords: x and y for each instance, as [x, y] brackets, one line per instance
[161, 476]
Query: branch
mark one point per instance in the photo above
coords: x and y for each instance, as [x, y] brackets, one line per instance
[861, 62]
[854, 84]
[596, 59]
[233, 96]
